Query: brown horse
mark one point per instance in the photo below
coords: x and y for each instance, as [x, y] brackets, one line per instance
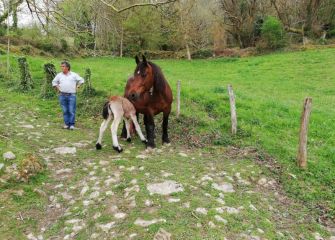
[151, 94]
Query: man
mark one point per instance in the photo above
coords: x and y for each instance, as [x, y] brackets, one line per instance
[66, 83]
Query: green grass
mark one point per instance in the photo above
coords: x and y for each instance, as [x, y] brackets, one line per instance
[269, 93]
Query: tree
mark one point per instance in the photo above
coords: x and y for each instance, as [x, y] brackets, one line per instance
[240, 17]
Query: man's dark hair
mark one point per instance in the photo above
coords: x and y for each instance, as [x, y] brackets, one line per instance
[67, 64]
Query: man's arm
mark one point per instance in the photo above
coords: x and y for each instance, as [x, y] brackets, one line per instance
[79, 80]
[55, 83]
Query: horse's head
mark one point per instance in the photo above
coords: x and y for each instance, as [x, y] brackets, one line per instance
[142, 81]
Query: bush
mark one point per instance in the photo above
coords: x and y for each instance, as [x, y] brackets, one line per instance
[202, 53]
[273, 33]
[64, 45]
[50, 73]
[26, 49]
[26, 82]
[3, 31]
[331, 33]
[47, 46]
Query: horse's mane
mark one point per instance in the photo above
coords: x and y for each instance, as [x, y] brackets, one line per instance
[159, 79]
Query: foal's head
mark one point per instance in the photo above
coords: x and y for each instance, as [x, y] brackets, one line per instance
[143, 79]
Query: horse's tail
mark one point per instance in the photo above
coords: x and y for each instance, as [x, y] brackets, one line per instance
[105, 112]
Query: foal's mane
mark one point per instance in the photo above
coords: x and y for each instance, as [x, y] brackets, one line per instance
[159, 79]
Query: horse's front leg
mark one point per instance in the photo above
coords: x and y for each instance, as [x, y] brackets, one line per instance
[124, 131]
[165, 136]
[150, 129]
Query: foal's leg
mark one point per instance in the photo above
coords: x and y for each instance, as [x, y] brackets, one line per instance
[138, 129]
[114, 127]
[165, 136]
[124, 131]
[150, 129]
[103, 128]
[127, 123]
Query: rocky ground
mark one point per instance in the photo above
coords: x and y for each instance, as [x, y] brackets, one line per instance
[171, 192]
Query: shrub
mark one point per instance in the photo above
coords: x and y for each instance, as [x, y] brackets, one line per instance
[202, 53]
[273, 33]
[88, 88]
[26, 49]
[331, 33]
[64, 45]
[50, 73]
[29, 167]
[26, 82]
[3, 31]
[47, 46]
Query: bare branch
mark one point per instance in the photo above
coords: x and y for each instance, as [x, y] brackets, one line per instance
[38, 11]
[111, 5]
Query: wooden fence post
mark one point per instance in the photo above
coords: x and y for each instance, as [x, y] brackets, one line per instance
[232, 110]
[178, 98]
[302, 151]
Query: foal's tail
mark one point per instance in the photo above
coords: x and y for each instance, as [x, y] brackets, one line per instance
[105, 112]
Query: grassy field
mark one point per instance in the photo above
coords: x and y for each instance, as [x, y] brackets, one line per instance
[269, 94]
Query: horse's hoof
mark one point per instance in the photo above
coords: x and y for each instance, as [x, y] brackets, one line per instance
[98, 146]
[145, 142]
[150, 145]
[166, 141]
[118, 149]
[128, 139]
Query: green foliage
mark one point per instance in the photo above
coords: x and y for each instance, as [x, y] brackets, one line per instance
[26, 49]
[273, 33]
[331, 33]
[48, 46]
[50, 73]
[64, 45]
[142, 30]
[88, 88]
[2, 30]
[202, 53]
[26, 82]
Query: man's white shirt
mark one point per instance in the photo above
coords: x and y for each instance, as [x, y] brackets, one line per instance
[67, 83]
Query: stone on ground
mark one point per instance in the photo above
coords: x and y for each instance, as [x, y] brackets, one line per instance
[224, 187]
[145, 223]
[162, 235]
[106, 227]
[9, 156]
[65, 150]
[165, 188]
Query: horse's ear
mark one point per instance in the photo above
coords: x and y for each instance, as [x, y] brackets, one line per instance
[144, 59]
[137, 60]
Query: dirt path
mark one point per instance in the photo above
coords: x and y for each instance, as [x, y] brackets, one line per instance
[169, 193]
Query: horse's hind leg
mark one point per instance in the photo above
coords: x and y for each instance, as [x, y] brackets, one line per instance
[165, 136]
[114, 127]
[124, 131]
[127, 123]
[138, 129]
[103, 128]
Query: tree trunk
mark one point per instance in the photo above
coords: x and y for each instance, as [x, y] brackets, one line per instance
[47, 18]
[309, 17]
[121, 43]
[189, 57]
